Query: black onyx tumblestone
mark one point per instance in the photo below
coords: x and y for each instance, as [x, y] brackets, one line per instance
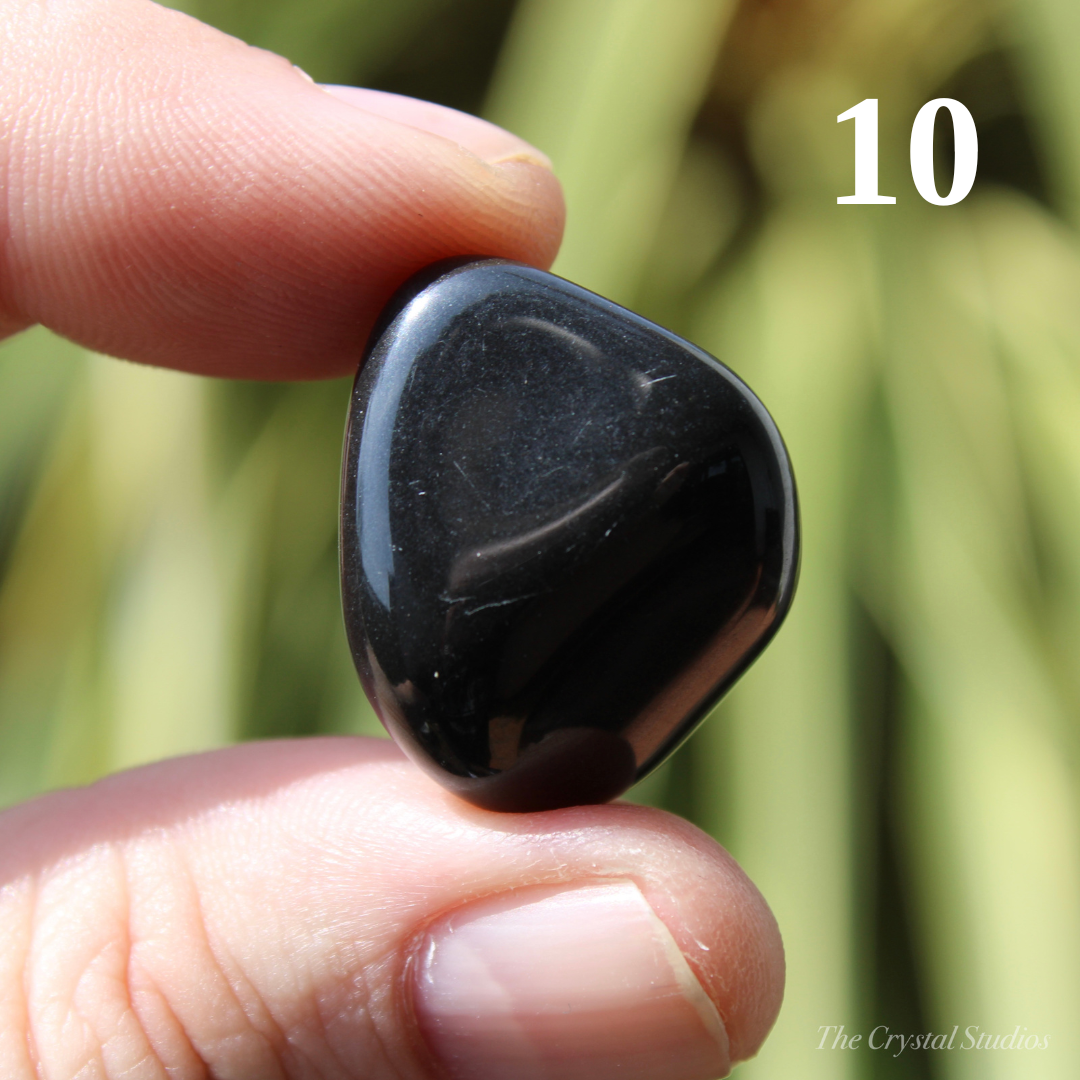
[565, 532]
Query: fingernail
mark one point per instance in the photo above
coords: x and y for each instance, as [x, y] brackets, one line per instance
[487, 141]
[565, 984]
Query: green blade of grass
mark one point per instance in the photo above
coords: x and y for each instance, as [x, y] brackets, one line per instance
[278, 520]
[989, 799]
[793, 324]
[166, 656]
[113, 609]
[46, 585]
[1046, 33]
[334, 41]
[608, 89]
[1032, 270]
[36, 370]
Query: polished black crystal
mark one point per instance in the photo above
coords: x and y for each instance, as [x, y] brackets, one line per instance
[565, 532]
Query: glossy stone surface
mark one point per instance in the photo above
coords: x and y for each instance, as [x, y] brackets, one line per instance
[565, 532]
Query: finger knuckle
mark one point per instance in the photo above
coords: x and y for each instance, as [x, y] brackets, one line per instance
[120, 980]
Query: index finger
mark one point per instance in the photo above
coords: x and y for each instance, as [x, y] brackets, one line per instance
[179, 198]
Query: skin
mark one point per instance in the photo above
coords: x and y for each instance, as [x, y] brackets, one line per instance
[254, 912]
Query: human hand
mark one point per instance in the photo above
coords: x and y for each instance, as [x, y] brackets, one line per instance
[316, 908]
[303, 910]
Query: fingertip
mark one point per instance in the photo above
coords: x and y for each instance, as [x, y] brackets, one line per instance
[542, 209]
[722, 924]
[717, 918]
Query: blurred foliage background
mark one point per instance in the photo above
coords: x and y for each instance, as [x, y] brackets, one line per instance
[899, 773]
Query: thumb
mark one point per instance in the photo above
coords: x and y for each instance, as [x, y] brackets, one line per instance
[177, 197]
[322, 909]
